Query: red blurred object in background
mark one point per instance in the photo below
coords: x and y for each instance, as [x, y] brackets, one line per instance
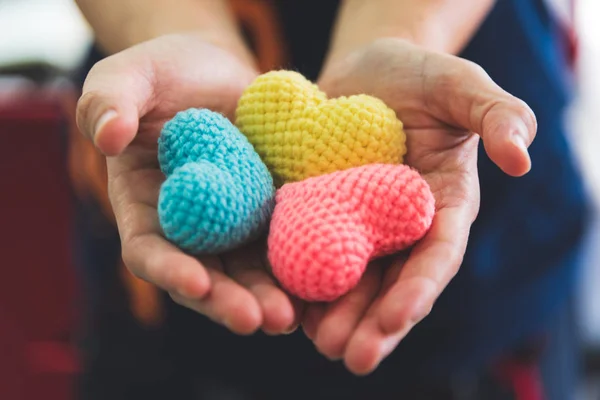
[38, 296]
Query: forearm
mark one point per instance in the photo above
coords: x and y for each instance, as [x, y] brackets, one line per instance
[442, 25]
[124, 23]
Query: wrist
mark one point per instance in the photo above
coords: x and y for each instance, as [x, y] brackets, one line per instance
[118, 26]
[444, 26]
[225, 40]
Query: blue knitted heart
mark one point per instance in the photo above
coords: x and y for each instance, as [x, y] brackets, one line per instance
[218, 193]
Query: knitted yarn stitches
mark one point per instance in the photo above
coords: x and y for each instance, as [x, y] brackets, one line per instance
[218, 193]
[325, 229]
[344, 197]
[299, 133]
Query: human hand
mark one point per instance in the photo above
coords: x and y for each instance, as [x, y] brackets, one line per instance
[125, 102]
[446, 105]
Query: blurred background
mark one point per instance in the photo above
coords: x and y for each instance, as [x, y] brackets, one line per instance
[42, 44]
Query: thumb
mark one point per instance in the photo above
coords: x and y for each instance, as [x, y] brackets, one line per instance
[116, 93]
[467, 97]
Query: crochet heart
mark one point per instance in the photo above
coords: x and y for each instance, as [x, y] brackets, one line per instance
[299, 133]
[326, 229]
[218, 193]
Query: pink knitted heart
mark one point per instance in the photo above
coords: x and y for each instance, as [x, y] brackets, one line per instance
[327, 228]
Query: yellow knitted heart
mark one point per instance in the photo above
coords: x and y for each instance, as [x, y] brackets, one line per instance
[300, 133]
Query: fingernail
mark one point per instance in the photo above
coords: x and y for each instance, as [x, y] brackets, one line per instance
[290, 330]
[518, 140]
[103, 120]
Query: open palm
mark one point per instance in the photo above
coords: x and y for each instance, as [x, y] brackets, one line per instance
[125, 102]
[446, 104]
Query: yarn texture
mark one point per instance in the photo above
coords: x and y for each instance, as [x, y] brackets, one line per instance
[344, 196]
[218, 193]
[325, 229]
[299, 133]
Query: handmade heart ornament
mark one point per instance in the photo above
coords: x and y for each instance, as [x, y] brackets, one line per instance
[325, 229]
[300, 133]
[344, 198]
[218, 194]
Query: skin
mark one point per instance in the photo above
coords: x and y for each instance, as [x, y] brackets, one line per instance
[136, 21]
[126, 99]
[446, 104]
[442, 138]
[440, 25]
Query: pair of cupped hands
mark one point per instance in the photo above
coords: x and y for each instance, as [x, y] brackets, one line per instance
[446, 105]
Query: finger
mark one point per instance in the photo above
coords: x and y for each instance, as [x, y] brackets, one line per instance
[313, 314]
[198, 285]
[299, 310]
[431, 265]
[116, 93]
[145, 252]
[466, 96]
[245, 266]
[368, 345]
[342, 316]
[277, 308]
[228, 303]
[153, 259]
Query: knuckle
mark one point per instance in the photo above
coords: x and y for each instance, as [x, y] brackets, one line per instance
[384, 45]
[475, 69]
[448, 80]
[445, 81]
